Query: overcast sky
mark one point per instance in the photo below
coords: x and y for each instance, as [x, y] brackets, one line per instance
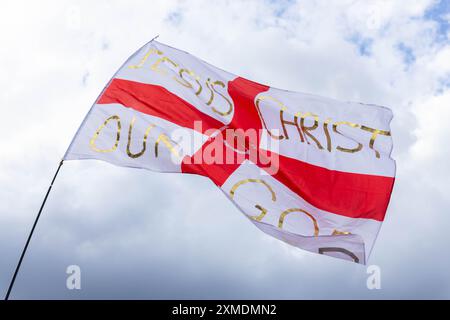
[139, 234]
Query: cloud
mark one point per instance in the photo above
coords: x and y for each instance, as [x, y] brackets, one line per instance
[137, 234]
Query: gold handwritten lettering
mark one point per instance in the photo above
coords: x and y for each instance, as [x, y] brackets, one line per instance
[288, 211]
[375, 133]
[144, 59]
[144, 141]
[260, 216]
[350, 124]
[307, 130]
[97, 133]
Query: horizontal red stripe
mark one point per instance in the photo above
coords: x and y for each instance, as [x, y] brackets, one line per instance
[156, 101]
[348, 194]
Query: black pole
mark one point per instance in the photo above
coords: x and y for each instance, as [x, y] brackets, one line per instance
[31, 233]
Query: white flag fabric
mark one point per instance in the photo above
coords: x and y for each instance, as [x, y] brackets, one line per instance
[311, 171]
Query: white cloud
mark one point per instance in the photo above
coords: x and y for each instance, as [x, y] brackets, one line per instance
[162, 233]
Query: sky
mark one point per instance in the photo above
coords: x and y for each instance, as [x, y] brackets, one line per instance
[137, 234]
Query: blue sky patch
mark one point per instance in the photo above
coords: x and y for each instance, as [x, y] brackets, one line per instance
[408, 53]
[438, 13]
[364, 44]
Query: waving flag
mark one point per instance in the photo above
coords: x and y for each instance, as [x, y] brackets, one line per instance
[311, 171]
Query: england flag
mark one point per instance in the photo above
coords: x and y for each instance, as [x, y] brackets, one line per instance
[311, 171]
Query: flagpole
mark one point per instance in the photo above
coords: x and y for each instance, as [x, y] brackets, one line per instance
[31, 233]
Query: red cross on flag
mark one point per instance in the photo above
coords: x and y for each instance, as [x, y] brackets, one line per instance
[311, 171]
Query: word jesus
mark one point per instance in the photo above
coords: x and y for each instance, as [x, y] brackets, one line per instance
[189, 78]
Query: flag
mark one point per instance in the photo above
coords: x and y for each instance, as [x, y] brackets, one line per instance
[311, 171]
